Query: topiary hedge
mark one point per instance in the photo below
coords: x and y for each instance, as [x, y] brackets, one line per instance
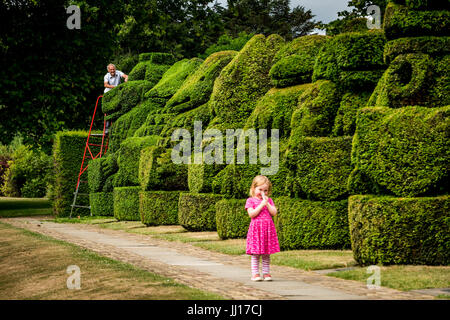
[102, 203]
[354, 60]
[128, 160]
[124, 97]
[243, 81]
[414, 79]
[392, 230]
[319, 167]
[158, 207]
[433, 46]
[232, 219]
[316, 110]
[151, 66]
[401, 21]
[68, 150]
[274, 109]
[345, 121]
[405, 150]
[126, 203]
[157, 171]
[197, 211]
[99, 171]
[294, 62]
[305, 224]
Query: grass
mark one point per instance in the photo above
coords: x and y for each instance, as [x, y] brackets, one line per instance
[403, 277]
[16, 207]
[33, 266]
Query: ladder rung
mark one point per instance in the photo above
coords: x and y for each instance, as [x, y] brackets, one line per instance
[95, 144]
[96, 134]
[78, 206]
[84, 181]
[81, 194]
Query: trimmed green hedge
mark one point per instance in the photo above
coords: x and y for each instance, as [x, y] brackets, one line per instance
[345, 121]
[151, 66]
[124, 97]
[99, 171]
[102, 203]
[406, 150]
[197, 211]
[414, 79]
[274, 109]
[401, 21]
[232, 219]
[392, 230]
[433, 46]
[157, 171]
[126, 203]
[128, 158]
[294, 63]
[68, 150]
[243, 81]
[158, 207]
[305, 224]
[352, 60]
[319, 167]
[316, 110]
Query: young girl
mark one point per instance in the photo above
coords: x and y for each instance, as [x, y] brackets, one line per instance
[262, 240]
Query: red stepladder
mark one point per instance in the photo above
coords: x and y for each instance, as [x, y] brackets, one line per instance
[88, 155]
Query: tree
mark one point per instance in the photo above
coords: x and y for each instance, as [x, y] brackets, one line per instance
[267, 17]
[51, 74]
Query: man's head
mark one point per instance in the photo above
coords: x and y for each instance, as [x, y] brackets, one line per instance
[111, 69]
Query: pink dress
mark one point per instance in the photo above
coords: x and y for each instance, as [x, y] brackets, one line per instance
[262, 236]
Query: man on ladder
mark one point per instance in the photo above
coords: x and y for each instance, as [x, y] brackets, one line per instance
[111, 80]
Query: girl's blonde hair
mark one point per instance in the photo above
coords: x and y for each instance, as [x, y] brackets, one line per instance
[259, 181]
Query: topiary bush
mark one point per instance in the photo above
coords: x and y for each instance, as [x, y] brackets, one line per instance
[305, 224]
[402, 21]
[232, 220]
[354, 60]
[319, 167]
[126, 203]
[345, 120]
[151, 66]
[404, 150]
[414, 79]
[391, 230]
[99, 170]
[316, 110]
[158, 207]
[102, 203]
[197, 211]
[243, 81]
[294, 62]
[68, 153]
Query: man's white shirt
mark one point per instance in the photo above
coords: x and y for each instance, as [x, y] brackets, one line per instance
[115, 81]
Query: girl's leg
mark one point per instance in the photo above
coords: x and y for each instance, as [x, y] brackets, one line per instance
[266, 263]
[255, 264]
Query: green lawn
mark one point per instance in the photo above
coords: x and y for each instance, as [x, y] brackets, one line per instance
[16, 207]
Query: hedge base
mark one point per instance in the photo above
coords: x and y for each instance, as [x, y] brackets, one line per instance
[197, 211]
[305, 224]
[159, 207]
[126, 203]
[391, 230]
[231, 219]
[102, 203]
